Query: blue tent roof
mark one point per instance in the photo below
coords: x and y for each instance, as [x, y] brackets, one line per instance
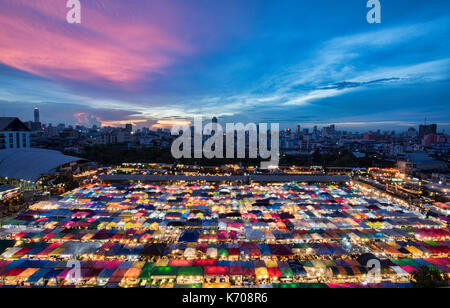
[38, 275]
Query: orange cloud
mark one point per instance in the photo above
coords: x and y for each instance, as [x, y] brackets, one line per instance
[122, 123]
[169, 124]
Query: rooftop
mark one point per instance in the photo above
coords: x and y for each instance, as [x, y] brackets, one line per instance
[12, 124]
[30, 164]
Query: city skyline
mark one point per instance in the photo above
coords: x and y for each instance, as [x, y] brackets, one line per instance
[242, 62]
[91, 122]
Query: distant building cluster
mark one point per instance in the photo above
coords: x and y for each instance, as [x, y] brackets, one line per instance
[413, 150]
[388, 144]
[74, 138]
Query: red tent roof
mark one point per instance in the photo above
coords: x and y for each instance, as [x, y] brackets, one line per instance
[233, 251]
[236, 270]
[180, 262]
[274, 272]
[216, 270]
[205, 262]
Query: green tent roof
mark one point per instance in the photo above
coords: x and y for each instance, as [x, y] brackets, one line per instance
[190, 271]
[187, 286]
[146, 271]
[222, 252]
[165, 271]
[286, 272]
[284, 285]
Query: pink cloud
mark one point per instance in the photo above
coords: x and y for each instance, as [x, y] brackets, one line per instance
[84, 118]
[113, 44]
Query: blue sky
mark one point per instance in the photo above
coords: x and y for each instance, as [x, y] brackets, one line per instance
[292, 62]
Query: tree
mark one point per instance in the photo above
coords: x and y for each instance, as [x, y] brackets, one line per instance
[428, 277]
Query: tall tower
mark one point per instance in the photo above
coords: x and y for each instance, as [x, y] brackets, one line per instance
[36, 115]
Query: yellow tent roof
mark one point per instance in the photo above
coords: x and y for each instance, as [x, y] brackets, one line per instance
[27, 273]
[261, 272]
[271, 263]
[222, 285]
[414, 250]
[162, 262]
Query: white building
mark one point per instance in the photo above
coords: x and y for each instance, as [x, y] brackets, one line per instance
[14, 134]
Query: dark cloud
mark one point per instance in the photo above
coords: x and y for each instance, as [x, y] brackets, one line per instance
[348, 85]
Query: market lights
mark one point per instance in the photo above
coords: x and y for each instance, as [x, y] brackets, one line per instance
[205, 234]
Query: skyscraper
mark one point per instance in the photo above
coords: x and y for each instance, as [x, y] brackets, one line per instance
[427, 129]
[36, 115]
[36, 124]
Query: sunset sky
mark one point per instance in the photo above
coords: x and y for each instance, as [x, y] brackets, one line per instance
[154, 63]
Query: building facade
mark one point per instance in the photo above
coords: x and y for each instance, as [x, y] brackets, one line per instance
[14, 134]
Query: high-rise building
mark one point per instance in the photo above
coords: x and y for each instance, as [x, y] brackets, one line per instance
[36, 124]
[36, 115]
[427, 129]
[129, 127]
